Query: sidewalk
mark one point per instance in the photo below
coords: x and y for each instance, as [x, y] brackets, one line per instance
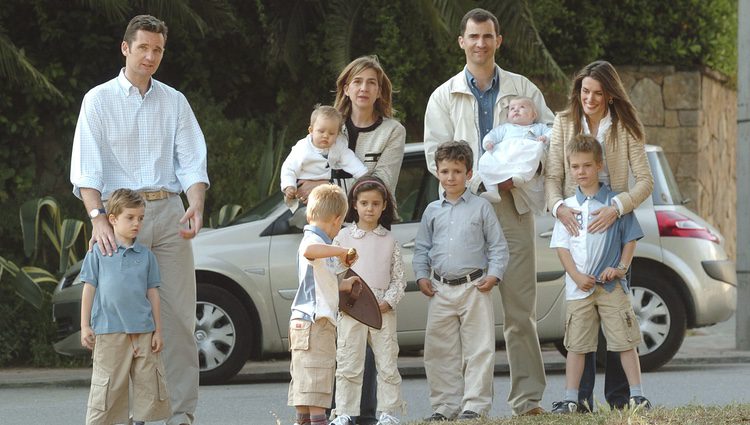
[712, 345]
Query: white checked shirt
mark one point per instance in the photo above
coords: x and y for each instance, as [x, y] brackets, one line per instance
[123, 140]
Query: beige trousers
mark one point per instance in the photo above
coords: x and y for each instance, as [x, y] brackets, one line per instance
[518, 292]
[160, 233]
[350, 361]
[120, 358]
[459, 349]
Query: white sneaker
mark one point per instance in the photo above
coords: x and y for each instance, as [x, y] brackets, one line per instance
[342, 420]
[386, 419]
[493, 197]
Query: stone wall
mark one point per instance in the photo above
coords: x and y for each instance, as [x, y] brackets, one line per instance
[692, 115]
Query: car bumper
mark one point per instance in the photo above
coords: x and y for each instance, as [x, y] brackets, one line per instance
[709, 275]
[719, 300]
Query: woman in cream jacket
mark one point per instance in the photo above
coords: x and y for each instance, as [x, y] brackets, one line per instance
[600, 107]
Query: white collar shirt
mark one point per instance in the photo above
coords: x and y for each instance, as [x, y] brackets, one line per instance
[601, 135]
[143, 143]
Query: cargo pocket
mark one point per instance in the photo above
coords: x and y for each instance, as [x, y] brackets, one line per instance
[99, 390]
[318, 377]
[161, 385]
[299, 335]
[631, 328]
[566, 337]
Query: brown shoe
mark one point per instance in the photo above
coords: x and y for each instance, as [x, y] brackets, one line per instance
[534, 412]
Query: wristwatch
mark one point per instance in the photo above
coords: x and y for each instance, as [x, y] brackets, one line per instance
[622, 267]
[95, 212]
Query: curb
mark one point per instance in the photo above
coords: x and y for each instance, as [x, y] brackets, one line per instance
[407, 371]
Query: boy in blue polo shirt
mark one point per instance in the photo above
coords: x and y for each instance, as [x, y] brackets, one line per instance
[596, 287]
[120, 321]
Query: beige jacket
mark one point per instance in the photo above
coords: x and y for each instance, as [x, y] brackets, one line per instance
[382, 151]
[628, 153]
[453, 114]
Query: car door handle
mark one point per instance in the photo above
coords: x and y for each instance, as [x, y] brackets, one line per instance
[546, 235]
[408, 244]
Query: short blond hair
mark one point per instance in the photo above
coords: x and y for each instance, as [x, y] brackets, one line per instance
[326, 111]
[124, 198]
[584, 143]
[325, 203]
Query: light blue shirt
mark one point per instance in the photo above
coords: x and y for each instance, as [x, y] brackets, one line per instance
[515, 131]
[122, 282]
[318, 293]
[486, 103]
[593, 252]
[454, 239]
[143, 143]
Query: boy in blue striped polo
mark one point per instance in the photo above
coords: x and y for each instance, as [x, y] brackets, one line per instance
[596, 287]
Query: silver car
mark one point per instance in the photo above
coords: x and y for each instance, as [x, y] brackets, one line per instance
[247, 278]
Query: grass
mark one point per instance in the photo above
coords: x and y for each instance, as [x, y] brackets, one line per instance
[686, 415]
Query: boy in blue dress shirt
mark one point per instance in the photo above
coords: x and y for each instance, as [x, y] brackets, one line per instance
[120, 321]
[596, 287]
[460, 254]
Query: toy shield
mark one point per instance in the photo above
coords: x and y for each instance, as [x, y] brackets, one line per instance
[361, 303]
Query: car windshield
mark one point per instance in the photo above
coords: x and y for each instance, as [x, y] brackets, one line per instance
[666, 191]
[260, 210]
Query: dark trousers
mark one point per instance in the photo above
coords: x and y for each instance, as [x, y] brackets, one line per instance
[616, 388]
[369, 400]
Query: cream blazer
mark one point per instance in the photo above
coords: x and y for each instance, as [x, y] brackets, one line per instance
[628, 152]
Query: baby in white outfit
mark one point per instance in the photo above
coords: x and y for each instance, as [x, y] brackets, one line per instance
[514, 150]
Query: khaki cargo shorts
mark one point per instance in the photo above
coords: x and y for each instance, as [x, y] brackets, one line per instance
[313, 366]
[120, 359]
[612, 310]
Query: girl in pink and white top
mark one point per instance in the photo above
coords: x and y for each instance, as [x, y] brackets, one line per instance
[371, 212]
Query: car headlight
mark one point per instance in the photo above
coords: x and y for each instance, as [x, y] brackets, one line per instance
[70, 280]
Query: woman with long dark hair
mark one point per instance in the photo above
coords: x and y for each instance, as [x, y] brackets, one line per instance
[599, 106]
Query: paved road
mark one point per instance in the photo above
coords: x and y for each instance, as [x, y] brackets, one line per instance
[264, 403]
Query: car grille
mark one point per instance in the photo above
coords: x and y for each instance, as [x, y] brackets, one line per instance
[67, 317]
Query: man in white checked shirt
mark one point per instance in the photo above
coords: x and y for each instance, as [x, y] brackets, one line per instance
[135, 132]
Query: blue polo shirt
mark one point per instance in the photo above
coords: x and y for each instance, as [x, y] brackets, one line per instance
[593, 252]
[121, 282]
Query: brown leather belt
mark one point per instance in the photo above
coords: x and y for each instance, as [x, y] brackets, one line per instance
[476, 274]
[157, 195]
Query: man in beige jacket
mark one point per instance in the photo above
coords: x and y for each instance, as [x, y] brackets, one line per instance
[467, 107]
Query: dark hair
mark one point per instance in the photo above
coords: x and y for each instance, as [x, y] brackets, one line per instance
[145, 23]
[619, 104]
[366, 184]
[455, 151]
[584, 143]
[383, 104]
[124, 198]
[479, 15]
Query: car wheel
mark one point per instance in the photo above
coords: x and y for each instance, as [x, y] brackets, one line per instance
[222, 332]
[662, 318]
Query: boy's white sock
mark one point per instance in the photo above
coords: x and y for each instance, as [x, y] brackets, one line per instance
[636, 391]
[571, 394]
